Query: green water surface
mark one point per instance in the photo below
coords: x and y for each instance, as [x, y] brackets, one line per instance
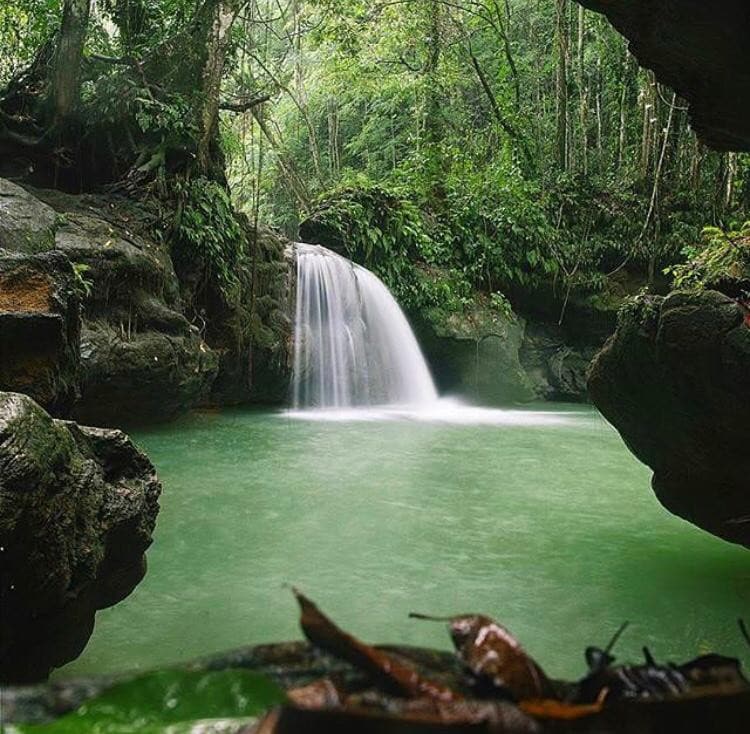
[552, 529]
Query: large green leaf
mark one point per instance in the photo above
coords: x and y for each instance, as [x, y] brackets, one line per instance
[170, 702]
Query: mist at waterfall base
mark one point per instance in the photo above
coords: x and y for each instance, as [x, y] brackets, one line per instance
[356, 357]
[353, 345]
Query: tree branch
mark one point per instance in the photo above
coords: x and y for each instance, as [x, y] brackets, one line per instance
[247, 104]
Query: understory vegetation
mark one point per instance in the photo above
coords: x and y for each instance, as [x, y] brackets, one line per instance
[456, 148]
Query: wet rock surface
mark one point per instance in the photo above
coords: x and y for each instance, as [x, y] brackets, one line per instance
[498, 359]
[675, 382]
[26, 224]
[100, 326]
[141, 359]
[555, 368]
[476, 354]
[91, 319]
[77, 510]
[39, 328]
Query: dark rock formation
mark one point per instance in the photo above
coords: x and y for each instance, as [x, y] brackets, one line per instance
[675, 381]
[698, 48]
[555, 368]
[496, 358]
[141, 359]
[257, 368]
[77, 510]
[475, 354]
[26, 224]
[149, 376]
[96, 324]
[39, 327]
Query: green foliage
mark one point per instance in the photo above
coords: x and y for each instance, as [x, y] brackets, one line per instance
[173, 701]
[81, 283]
[391, 96]
[497, 224]
[372, 224]
[501, 304]
[723, 258]
[424, 134]
[385, 230]
[206, 231]
[24, 26]
[642, 309]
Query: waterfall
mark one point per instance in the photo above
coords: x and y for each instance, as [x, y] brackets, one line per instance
[352, 343]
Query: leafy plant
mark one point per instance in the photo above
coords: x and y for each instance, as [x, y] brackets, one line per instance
[207, 232]
[81, 283]
[171, 701]
[724, 257]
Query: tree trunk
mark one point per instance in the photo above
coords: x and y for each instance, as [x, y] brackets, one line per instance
[492, 99]
[583, 91]
[649, 122]
[285, 163]
[696, 163]
[433, 120]
[503, 29]
[562, 84]
[65, 88]
[433, 127]
[655, 192]
[622, 138]
[222, 14]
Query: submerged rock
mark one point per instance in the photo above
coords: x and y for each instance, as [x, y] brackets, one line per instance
[675, 381]
[77, 511]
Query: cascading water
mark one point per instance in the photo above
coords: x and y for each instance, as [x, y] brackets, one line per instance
[352, 343]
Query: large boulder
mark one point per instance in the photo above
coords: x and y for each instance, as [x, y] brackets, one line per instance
[26, 224]
[141, 359]
[675, 381]
[77, 511]
[493, 356]
[144, 376]
[475, 354]
[92, 323]
[39, 328]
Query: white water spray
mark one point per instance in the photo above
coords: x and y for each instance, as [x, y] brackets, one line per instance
[352, 343]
